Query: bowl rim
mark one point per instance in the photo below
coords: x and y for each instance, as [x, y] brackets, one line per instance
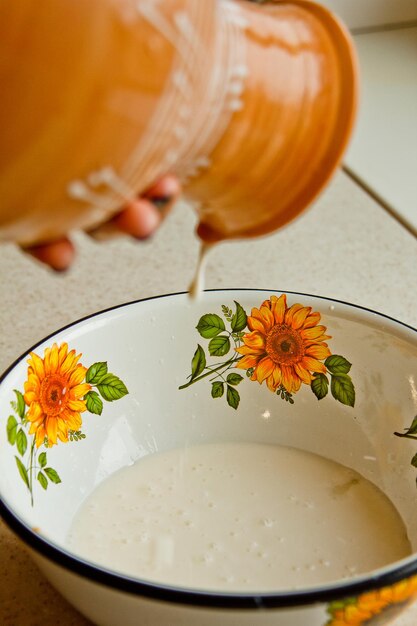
[325, 593]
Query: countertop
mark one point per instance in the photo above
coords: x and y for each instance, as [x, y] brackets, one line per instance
[346, 246]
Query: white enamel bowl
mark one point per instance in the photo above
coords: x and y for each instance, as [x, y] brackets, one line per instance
[149, 346]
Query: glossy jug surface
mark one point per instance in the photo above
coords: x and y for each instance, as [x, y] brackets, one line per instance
[250, 106]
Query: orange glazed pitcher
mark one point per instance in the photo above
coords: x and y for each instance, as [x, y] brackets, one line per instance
[250, 106]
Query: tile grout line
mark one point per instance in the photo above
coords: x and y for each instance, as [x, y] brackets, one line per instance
[365, 30]
[377, 198]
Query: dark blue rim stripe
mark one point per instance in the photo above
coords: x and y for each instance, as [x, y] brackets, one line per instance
[198, 598]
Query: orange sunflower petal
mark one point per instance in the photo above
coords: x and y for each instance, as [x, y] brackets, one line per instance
[62, 429]
[32, 386]
[35, 424]
[261, 319]
[51, 428]
[69, 362]
[286, 377]
[312, 320]
[312, 365]
[296, 384]
[264, 369]
[386, 595]
[268, 318]
[247, 361]
[302, 373]
[29, 397]
[255, 323]
[299, 317]
[318, 351]
[54, 357]
[34, 412]
[267, 304]
[76, 405]
[248, 350]
[274, 379]
[73, 421]
[32, 383]
[314, 333]
[63, 436]
[47, 361]
[77, 375]
[279, 306]
[255, 340]
[404, 590]
[289, 315]
[62, 424]
[62, 353]
[37, 365]
[40, 436]
[80, 390]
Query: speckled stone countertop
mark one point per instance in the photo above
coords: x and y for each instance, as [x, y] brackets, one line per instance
[345, 247]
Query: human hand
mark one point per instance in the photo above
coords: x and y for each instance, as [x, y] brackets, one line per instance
[138, 218]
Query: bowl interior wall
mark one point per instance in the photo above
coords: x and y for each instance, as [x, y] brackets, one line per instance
[149, 345]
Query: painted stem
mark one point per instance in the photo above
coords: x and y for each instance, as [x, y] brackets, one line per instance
[406, 435]
[31, 468]
[210, 371]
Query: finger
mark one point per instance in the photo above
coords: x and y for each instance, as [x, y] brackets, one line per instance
[139, 219]
[164, 192]
[58, 255]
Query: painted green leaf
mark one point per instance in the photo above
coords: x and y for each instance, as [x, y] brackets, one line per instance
[217, 389]
[43, 480]
[342, 389]
[210, 325]
[414, 461]
[198, 362]
[42, 459]
[337, 364]
[320, 386]
[52, 475]
[219, 346]
[228, 313]
[239, 319]
[94, 403]
[234, 379]
[22, 471]
[112, 388]
[233, 397]
[20, 406]
[76, 435]
[21, 441]
[95, 372]
[413, 428]
[12, 429]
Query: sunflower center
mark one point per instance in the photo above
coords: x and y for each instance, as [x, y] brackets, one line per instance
[284, 345]
[53, 394]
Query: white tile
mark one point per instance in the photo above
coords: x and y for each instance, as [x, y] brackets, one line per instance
[383, 153]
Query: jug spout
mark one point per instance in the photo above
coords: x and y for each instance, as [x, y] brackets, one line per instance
[297, 105]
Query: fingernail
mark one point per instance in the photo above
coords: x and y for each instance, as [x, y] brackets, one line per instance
[160, 201]
[60, 270]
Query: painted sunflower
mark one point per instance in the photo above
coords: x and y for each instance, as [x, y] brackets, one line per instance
[285, 345]
[368, 607]
[54, 393]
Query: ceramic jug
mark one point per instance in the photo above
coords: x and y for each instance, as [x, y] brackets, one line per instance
[249, 105]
